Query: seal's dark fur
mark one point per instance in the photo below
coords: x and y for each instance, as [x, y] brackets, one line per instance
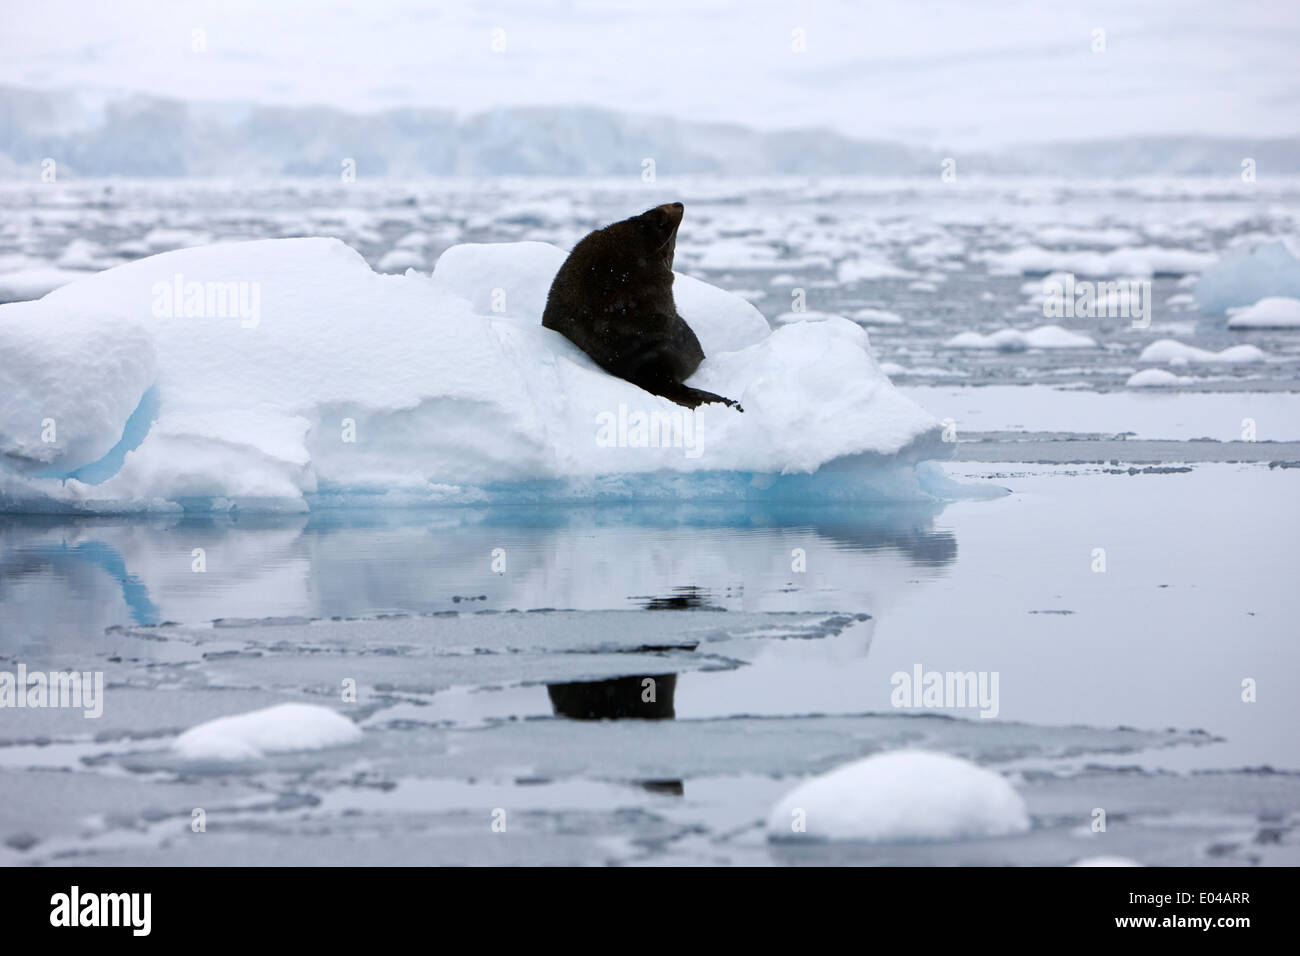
[613, 298]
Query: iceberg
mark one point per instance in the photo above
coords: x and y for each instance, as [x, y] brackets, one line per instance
[1244, 276]
[286, 375]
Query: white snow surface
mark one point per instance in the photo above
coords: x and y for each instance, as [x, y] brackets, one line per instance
[903, 796]
[1270, 312]
[447, 398]
[24, 284]
[279, 729]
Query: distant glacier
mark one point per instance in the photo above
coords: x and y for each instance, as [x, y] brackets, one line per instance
[143, 136]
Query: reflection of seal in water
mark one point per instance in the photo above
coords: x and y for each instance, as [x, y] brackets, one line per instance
[613, 298]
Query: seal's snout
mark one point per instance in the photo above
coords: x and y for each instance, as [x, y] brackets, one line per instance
[674, 212]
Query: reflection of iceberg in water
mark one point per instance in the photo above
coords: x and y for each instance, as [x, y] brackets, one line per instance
[133, 571]
[52, 584]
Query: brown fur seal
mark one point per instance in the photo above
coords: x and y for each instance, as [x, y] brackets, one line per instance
[613, 298]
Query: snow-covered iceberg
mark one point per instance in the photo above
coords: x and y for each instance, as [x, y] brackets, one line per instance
[287, 375]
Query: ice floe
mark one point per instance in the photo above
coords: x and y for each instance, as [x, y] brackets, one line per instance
[285, 374]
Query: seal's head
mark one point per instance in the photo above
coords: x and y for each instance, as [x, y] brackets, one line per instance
[654, 232]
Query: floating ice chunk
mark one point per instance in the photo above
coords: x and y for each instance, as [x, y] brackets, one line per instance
[279, 729]
[1273, 312]
[1053, 281]
[876, 317]
[1154, 378]
[866, 268]
[1176, 353]
[1128, 261]
[161, 239]
[81, 254]
[413, 240]
[1245, 276]
[1105, 861]
[903, 796]
[738, 254]
[1054, 235]
[1016, 340]
[25, 284]
[399, 260]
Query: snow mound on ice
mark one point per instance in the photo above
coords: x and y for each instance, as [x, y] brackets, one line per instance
[1016, 340]
[288, 375]
[1271, 312]
[1176, 353]
[279, 729]
[1244, 276]
[904, 796]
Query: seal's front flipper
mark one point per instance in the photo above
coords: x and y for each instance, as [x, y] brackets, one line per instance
[690, 397]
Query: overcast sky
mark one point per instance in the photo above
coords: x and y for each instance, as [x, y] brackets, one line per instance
[970, 73]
